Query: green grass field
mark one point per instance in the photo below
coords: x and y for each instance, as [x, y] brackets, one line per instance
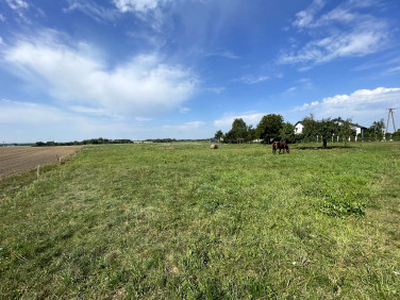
[182, 221]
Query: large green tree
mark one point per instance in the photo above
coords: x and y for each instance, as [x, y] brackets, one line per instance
[239, 131]
[345, 129]
[287, 133]
[218, 135]
[269, 128]
[325, 128]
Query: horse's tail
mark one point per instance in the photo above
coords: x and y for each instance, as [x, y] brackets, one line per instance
[274, 147]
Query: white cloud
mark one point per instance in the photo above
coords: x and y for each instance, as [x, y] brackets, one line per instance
[184, 110]
[29, 122]
[357, 43]
[2, 18]
[20, 7]
[363, 106]
[78, 76]
[92, 9]
[249, 79]
[187, 127]
[306, 106]
[341, 32]
[139, 119]
[24, 122]
[251, 118]
[394, 70]
[15, 112]
[224, 54]
[306, 17]
[17, 4]
[142, 6]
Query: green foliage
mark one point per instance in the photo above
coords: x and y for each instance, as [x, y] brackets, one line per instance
[239, 131]
[326, 128]
[344, 129]
[377, 127]
[148, 221]
[287, 133]
[270, 127]
[251, 133]
[218, 135]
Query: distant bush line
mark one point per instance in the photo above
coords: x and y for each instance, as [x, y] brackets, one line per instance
[102, 141]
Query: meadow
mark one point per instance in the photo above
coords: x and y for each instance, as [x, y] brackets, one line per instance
[158, 221]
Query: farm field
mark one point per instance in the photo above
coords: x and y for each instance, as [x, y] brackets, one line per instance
[19, 159]
[160, 221]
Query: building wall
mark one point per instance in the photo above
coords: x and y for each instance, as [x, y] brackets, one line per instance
[298, 129]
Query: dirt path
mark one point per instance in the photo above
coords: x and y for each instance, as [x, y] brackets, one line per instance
[20, 159]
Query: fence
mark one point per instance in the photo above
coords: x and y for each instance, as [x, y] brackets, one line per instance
[358, 139]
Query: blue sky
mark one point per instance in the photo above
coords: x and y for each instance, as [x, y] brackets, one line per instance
[137, 69]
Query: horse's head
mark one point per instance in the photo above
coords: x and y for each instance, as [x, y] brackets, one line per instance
[287, 149]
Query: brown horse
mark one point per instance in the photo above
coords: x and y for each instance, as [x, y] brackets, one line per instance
[281, 146]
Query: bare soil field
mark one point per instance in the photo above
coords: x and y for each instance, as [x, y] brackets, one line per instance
[20, 159]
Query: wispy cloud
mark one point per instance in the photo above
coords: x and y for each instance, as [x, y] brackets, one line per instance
[184, 110]
[187, 127]
[146, 84]
[216, 90]
[342, 32]
[224, 54]
[17, 4]
[93, 10]
[142, 6]
[250, 79]
[251, 118]
[394, 69]
[32, 122]
[20, 7]
[306, 17]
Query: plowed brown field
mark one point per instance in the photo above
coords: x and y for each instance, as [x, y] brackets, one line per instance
[20, 159]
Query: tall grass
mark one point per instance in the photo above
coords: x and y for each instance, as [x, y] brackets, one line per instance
[154, 221]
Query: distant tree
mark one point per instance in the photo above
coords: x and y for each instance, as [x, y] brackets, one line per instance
[287, 133]
[239, 131]
[269, 128]
[396, 135]
[377, 127]
[344, 129]
[251, 133]
[324, 128]
[218, 135]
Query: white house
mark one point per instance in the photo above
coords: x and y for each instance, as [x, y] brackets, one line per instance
[358, 129]
[298, 128]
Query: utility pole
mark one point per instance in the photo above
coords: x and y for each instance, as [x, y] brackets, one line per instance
[390, 115]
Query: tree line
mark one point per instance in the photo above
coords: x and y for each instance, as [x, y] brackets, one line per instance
[103, 141]
[273, 128]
